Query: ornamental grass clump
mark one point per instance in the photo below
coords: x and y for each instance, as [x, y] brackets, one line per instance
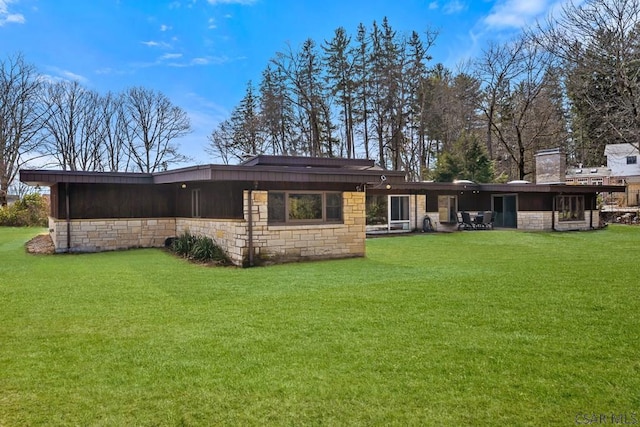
[199, 248]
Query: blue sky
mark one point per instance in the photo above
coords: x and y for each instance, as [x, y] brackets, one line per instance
[202, 53]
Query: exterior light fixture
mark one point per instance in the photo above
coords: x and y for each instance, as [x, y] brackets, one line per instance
[183, 185]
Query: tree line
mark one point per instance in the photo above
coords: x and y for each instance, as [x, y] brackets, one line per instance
[79, 129]
[570, 82]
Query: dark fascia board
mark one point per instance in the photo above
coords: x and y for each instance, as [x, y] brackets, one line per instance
[45, 178]
[300, 161]
[278, 174]
[215, 173]
[509, 188]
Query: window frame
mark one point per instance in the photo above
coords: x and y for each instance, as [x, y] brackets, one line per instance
[632, 160]
[325, 219]
[451, 217]
[570, 208]
[399, 204]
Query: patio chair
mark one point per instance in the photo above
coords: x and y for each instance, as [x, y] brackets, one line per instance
[467, 224]
[460, 221]
[487, 220]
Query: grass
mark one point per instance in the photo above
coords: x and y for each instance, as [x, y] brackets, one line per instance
[469, 328]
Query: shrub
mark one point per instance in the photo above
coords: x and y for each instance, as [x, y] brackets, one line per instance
[182, 245]
[204, 249]
[31, 210]
[201, 248]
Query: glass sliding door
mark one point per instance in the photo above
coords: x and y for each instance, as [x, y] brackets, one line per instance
[506, 209]
[399, 212]
[387, 213]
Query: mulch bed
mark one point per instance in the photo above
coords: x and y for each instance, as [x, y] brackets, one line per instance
[41, 244]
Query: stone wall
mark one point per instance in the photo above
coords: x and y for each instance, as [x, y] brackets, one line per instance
[229, 234]
[542, 220]
[281, 243]
[95, 235]
[271, 243]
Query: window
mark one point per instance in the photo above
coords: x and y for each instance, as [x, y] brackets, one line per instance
[377, 209]
[309, 207]
[399, 212]
[570, 208]
[632, 160]
[447, 207]
[195, 203]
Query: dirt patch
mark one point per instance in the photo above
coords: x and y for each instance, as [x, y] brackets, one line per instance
[41, 244]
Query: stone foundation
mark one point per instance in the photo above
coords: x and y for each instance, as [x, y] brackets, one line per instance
[96, 235]
[542, 221]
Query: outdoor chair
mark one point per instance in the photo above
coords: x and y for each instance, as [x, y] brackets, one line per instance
[487, 220]
[467, 224]
[460, 221]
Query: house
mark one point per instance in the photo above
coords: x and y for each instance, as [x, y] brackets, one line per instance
[549, 204]
[284, 208]
[269, 208]
[623, 160]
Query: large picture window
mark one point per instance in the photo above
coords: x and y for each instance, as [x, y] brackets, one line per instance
[304, 207]
[570, 208]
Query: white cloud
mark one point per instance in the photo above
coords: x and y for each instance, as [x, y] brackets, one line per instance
[242, 2]
[516, 13]
[7, 17]
[454, 6]
[63, 75]
[153, 43]
[171, 56]
[212, 24]
[164, 27]
[433, 5]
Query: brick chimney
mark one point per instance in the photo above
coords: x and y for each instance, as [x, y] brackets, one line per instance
[551, 166]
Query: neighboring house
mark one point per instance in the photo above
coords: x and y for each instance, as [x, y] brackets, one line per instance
[624, 162]
[281, 208]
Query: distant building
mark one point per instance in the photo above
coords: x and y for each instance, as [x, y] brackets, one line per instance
[623, 168]
[623, 160]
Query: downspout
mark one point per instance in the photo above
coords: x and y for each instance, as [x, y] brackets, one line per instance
[68, 215]
[415, 207]
[553, 213]
[250, 227]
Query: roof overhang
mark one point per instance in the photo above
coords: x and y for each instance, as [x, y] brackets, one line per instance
[508, 188]
[47, 178]
[264, 169]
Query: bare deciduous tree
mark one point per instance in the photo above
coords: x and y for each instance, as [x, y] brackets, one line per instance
[73, 126]
[598, 44]
[20, 122]
[153, 125]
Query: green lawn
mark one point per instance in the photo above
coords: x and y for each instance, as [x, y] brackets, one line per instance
[468, 328]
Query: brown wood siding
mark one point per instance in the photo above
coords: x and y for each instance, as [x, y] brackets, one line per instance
[530, 202]
[116, 201]
[217, 200]
[53, 201]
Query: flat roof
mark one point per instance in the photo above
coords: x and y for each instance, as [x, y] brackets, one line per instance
[259, 168]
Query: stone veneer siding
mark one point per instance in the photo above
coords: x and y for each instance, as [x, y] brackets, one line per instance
[95, 235]
[284, 243]
[542, 220]
[272, 243]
